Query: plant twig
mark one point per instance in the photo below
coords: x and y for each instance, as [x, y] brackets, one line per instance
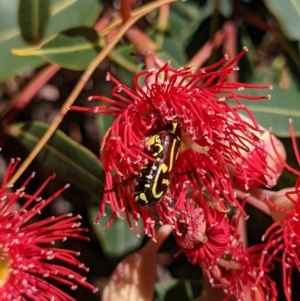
[138, 11]
[162, 23]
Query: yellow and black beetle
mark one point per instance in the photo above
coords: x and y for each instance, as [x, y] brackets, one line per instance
[154, 177]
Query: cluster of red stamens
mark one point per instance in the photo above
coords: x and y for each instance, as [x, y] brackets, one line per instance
[27, 248]
[215, 139]
[282, 238]
[199, 103]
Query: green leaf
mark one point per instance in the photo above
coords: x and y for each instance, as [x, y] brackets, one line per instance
[117, 240]
[7, 10]
[284, 104]
[123, 56]
[76, 48]
[185, 18]
[62, 155]
[33, 19]
[64, 14]
[103, 123]
[172, 50]
[278, 73]
[288, 15]
[73, 48]
[176, 289]
[225, 7]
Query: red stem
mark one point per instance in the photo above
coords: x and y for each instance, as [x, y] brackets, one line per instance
[23, 98]
[230, 46]
[206, 50]
[125, 10]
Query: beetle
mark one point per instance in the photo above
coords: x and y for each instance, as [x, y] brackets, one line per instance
[154, 178]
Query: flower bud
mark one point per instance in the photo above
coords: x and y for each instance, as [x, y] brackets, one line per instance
[188, 143]
[282, 203]
[135, 275]
[264, 163]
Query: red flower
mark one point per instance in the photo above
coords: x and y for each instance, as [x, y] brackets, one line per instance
[237, 272]
[256, 161]
[199, 105]
[212, 242]
[283, 236]
[25, 247]
[206, 238]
